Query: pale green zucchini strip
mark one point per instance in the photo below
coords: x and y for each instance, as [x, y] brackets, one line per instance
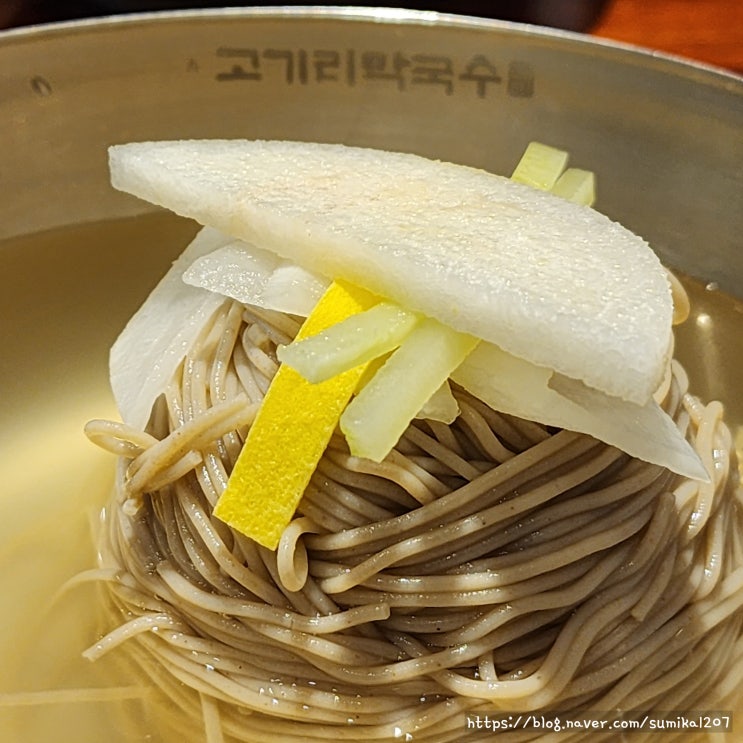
[576, 185]
[540, 166]
[347, 344]
[376, 418]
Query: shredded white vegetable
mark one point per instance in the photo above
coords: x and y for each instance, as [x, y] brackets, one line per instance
[147, 353]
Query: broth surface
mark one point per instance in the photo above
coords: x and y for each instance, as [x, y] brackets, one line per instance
[67, 295]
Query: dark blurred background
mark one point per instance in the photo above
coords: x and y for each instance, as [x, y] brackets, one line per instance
[704, 30]
[577, 15]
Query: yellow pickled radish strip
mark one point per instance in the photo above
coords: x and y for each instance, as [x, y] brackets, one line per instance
[377, 417]
[356, 340]
[540, 166]
[290, 433]
[576, 185]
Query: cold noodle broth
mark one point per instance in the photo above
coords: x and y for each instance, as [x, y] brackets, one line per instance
[68, 293]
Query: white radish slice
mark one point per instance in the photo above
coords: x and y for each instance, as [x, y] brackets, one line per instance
[590, 293]
[236, 270]
[293, 289]
[514, 386]
[148, 351]
[553, 282]
[258, 277]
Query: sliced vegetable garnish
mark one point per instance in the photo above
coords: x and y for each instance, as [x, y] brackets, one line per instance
[255, 276]
[540, 166]
[514, 386]
[442, 406]
[545, 279]
[377, 417]
[293, 289]
[152, 345]
[576, 185]
[347, 344]
[290, 433]
[568, 313]
[543, 168]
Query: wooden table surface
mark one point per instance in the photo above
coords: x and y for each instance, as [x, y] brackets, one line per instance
[704, 30]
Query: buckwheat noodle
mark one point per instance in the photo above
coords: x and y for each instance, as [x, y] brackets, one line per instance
[486, 566]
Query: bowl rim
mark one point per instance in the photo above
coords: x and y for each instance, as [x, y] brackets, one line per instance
[701, 72]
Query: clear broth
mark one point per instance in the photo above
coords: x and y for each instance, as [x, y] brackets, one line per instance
[67, 294]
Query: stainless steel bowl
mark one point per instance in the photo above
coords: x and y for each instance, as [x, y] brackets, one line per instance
[664, 137]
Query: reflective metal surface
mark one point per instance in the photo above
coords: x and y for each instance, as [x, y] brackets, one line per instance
[665, 138]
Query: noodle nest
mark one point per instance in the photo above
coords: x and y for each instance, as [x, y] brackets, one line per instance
[487, 567]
